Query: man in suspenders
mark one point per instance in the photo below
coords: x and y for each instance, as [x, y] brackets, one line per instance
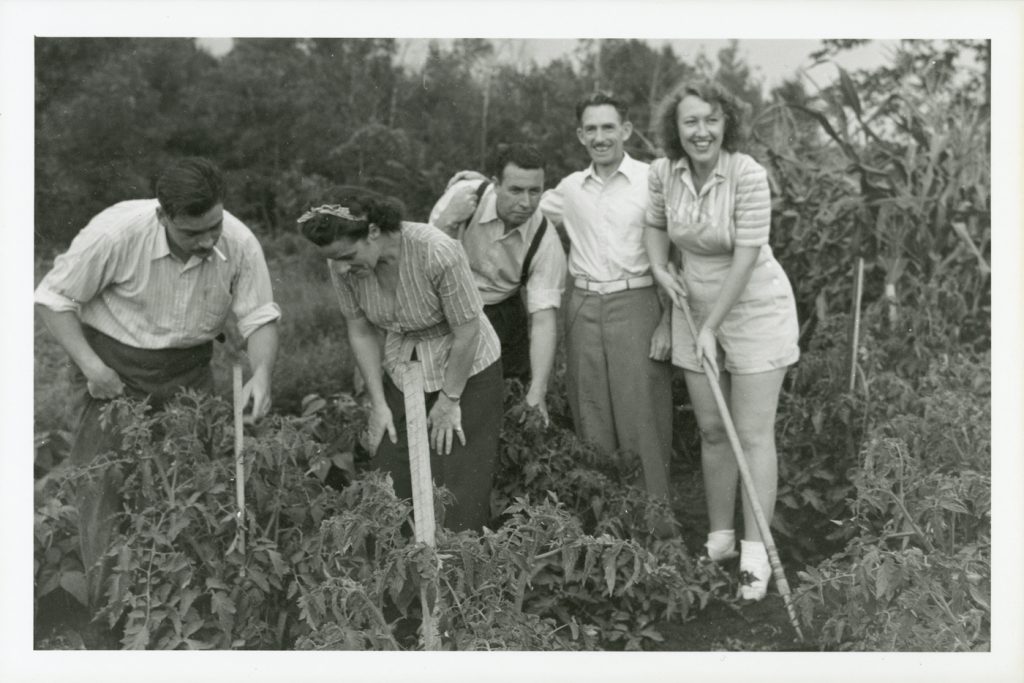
[517, 261]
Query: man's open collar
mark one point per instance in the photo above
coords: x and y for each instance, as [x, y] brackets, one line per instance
[628, 167]
[160, 246]
[162, 249]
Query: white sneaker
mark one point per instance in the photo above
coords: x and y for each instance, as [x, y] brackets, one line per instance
[755, 570]
[721, 545]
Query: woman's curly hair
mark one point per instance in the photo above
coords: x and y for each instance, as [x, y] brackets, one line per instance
[714, 94]
[347, 212]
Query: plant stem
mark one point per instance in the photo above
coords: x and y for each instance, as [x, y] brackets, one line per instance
[910, 520]
[381, 621]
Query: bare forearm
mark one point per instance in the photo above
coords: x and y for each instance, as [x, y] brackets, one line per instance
[366, 349]
[666, 306]
[657, 244]
[67, 330]
[543, 336]
[743, 261]
[460, 359]
[262, 347]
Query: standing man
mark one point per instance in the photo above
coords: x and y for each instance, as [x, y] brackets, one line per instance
[512, 252]
[136, 301]
[617, 331]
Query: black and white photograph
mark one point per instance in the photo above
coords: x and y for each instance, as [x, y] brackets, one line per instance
[482, 341]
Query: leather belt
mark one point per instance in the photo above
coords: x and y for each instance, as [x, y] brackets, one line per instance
[612, 286]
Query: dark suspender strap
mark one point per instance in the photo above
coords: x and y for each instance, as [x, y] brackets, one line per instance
[479, 194]
[534, 246]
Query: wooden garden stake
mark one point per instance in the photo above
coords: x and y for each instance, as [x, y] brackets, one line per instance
[422, 484]
[748, 483]
[239, 461]
[858, 294]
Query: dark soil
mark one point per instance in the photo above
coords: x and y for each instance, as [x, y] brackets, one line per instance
[721, 626]
[725, 624]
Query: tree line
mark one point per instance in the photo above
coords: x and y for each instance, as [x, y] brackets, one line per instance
[288, 117]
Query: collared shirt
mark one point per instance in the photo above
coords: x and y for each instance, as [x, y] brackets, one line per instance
[120, 276]
[732, 209]
[604, 220]
[496, 257]
[435, 293]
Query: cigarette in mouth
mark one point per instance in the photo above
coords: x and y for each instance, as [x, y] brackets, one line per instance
[220, 254]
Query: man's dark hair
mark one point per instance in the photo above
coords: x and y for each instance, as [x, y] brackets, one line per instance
[714, 94]
[190, 187]
[522, 155]
[366, 207]
[596, 99]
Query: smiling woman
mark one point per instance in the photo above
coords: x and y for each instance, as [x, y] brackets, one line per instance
[713, 203]
[413, 283]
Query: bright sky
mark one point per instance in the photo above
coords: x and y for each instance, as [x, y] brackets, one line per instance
[771, 60]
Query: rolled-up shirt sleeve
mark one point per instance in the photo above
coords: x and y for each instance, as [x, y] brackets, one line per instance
[253, 297]
[453, 278]
[79, 274]
[552, 204]
[546, 281]
[347, 301]
[442, 204]
[654, 217]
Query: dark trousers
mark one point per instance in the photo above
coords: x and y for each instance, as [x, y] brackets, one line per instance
[620, 398]
[159, 374]
[512, 324]
[468, 470]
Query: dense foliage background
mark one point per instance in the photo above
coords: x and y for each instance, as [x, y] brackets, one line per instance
[884, 497]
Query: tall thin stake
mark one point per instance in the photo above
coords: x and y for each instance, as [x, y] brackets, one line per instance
[858, 294]
[422, 483]
[239, 460]
[748, 484]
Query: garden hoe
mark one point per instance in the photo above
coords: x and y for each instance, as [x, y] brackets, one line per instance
[422, 483]
[239, 460]
[746, 478]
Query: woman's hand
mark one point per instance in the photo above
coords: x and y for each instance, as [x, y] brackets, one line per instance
[380, 421]
[445, 423]
[464, 175]
[459, 209]
[670, 279]
[707, 348]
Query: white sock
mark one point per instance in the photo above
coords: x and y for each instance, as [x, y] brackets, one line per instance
[721, 544]
[754, 559]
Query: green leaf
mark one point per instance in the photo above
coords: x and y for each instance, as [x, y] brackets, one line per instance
[138, 640]
[260, 579]
[74, 583]
[213, 582]
[188, 596]
[222, 605]
[197, 644]
[824, 122]
[48, 584]
[882, 583]
[979, 597]
[611, 567]
[849, 91]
